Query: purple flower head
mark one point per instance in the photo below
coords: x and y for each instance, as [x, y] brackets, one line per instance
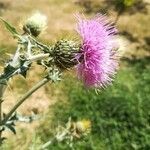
[97, 56]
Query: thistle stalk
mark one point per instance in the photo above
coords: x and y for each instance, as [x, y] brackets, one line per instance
[0, 115]
[23, 98]
[2, 89]
[38, 57]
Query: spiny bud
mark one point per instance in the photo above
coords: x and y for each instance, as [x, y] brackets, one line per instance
[64, 53]
[35, 24]
[83, 126]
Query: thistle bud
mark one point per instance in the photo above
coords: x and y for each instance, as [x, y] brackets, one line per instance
[35, 24]
[64, 53]
[83, 126]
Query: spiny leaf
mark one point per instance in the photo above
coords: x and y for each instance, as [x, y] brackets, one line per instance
[2, 139]
[14, 117]
[2, 129]
[9, 27]
[11, 128]
[4, 115]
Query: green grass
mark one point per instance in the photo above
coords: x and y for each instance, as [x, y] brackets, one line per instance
[120, 114]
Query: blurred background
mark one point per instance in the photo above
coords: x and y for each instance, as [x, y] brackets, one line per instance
[120, 114]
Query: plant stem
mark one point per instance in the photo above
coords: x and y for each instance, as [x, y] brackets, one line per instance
[38, 57]
[2, 89]
[0, 116]
[22, 99]
[46, 145]
[42, 46]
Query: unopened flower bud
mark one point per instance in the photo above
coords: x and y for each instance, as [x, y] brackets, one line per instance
[64, 53]
[35, 24]
[83, 126]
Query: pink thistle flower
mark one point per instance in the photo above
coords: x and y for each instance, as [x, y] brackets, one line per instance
[97, 55]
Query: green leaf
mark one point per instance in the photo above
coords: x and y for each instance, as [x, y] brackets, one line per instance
[9, 27]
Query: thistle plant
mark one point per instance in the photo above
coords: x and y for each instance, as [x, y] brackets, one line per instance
[95, 59]
[70, 132]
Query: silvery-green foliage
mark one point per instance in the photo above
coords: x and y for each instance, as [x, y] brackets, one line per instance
[54, 58]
